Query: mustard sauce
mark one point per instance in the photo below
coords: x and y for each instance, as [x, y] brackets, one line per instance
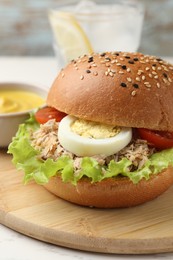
[18, 101]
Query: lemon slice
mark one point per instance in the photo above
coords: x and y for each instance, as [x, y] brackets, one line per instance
[69, 36]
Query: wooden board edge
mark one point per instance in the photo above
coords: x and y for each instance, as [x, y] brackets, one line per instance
[87, 243]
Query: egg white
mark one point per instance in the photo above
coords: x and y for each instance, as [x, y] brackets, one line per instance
[84, 146]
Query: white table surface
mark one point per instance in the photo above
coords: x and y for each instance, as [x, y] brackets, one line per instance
[13, 245]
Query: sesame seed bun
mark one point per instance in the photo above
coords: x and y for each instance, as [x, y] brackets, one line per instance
[125, 89]
[112, 192]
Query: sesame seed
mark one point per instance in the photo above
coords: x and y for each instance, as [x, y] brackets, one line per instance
[154, 73]
[148, 86]
[169, 79]
[138, 79]
[123, 85]
[94, 65]
[147, 68]
[113, 61]
[107, 65]
[165, 80]
[62, 75]
[90, 59]
[135, 59]
[118, 64]
[159, 68]
[128, 69]
[133, 93]
[156, 77]
[113, 71]
[76, 68]
[135, 85]
[102, 54]
[111, 74]
[127, 57]
[146, 83]
[82, 77]
[150, 75]
[106, 73]
[124, 67]
[131, 61]
[158, 84]
[165, 68]
[159, 59]
[121, 59]
[129, 79]
[88, 71]
[171, 68]
[143, 77]
[95, 73]
[107, 59]
[121, 72]
[153, 68]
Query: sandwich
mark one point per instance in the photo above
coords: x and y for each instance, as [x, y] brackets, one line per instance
[105, 137]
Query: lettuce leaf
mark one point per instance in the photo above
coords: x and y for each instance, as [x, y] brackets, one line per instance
[26, 158]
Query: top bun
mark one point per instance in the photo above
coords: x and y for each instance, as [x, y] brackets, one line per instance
[117, 88]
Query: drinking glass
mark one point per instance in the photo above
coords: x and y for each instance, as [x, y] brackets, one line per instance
[83, 27]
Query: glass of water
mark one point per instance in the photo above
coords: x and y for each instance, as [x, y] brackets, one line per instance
[86, 26]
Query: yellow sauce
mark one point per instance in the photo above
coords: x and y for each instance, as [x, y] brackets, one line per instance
[18, 101]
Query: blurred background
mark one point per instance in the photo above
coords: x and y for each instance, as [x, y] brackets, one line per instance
[25, 30]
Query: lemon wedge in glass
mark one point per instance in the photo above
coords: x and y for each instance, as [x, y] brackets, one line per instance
[69, 36]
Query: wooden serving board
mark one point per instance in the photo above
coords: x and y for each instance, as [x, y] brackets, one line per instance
[33, 211]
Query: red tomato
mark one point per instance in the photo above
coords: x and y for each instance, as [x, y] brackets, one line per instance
[159, 139]
[46, 113]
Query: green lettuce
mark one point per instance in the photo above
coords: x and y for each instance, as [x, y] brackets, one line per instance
[27, 159]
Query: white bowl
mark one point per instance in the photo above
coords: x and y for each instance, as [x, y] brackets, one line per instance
[9, 122]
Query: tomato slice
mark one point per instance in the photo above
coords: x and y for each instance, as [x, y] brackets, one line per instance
[46, 113]
[158, 139]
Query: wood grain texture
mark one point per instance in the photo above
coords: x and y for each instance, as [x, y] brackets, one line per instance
[25, 29]
[33, 211]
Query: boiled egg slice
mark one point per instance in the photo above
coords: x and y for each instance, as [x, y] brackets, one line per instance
[87, 146]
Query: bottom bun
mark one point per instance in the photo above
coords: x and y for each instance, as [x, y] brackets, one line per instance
[112, 192]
